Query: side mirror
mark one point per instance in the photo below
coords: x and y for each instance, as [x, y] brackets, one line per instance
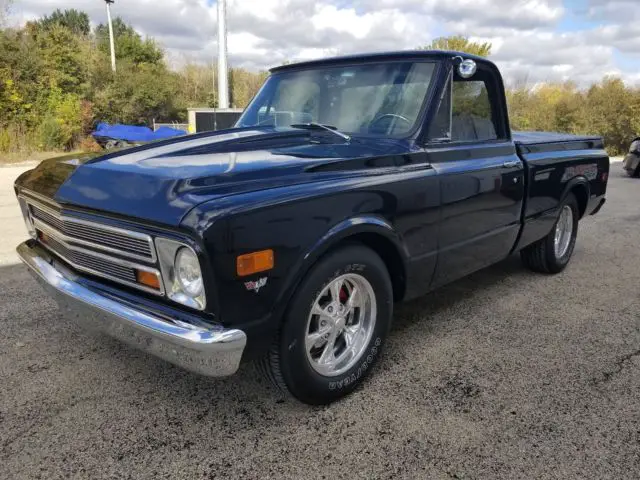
[467, 68]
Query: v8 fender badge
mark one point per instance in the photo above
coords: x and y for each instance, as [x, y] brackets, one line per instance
[257, 285]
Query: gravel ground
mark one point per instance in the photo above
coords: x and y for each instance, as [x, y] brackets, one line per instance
[505, 374]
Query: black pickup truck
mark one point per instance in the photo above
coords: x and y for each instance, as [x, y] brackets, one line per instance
[348, 184]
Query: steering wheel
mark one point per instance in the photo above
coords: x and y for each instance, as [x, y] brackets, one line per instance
[389, 115]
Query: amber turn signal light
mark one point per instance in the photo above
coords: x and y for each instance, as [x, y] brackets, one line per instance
[148, 279]
[255, 262]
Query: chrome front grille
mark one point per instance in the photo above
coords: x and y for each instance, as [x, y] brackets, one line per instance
[92, 247]
[90, 263]
[109, 239]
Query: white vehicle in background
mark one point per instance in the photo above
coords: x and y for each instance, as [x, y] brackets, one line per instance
[631, 162]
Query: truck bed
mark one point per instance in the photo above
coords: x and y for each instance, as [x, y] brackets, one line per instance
[528, 142]
[554, 164]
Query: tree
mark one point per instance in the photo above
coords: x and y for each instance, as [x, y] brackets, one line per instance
[120, 28]
[129, 45]
[137, 95]
[610, 110]
[21, 70]
[63, 56]
[459, 43]
[77, 22]
[196, 85]
[244, 85]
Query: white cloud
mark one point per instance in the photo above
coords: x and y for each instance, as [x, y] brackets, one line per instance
[527, 35]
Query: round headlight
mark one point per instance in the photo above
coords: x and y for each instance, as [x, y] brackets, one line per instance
[188, 272]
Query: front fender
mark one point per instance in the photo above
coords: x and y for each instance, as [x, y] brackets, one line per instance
[343, 231]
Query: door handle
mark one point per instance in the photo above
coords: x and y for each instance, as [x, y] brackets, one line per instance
[511, 164]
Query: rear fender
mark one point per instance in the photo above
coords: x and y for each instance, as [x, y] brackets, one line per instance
[582, 182]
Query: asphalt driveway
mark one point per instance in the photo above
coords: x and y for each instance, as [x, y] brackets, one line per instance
[505, 374]
[12, 227]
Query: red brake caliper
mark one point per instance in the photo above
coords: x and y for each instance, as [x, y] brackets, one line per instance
[344, 295]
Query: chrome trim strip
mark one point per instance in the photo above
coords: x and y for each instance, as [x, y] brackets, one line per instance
[49, 231]
[98, 226]
[26, 215]
[37, 196]
[214, 351]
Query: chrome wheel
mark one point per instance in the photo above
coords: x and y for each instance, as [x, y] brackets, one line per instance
[340, 325]
[564, 231]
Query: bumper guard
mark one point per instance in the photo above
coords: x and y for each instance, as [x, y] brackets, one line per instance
[214, 352]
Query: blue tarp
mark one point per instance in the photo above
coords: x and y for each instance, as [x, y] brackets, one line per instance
[130, 133]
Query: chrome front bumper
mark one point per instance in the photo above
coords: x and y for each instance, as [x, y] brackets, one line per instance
[214, 352]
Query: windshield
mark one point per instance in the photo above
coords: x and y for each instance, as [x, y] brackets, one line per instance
[382, 99]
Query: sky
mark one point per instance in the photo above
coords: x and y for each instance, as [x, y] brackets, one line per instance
[533, 40]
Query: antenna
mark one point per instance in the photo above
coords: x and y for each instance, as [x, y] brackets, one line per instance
[223, 74]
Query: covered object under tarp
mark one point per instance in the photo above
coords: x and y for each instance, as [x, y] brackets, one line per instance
[112, 136]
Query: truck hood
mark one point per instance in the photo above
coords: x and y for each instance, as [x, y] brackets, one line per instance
[162, 182]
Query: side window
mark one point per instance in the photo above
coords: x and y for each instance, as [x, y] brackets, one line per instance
[466, 111]
[294, 102]
[472, 117]
[440, 128]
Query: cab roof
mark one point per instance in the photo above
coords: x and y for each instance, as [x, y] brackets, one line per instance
[381, 57]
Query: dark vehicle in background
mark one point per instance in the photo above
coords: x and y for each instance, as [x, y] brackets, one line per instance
[631, 163]
[348, 184]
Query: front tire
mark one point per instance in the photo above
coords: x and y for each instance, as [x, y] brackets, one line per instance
[335, 327]
[552, 253]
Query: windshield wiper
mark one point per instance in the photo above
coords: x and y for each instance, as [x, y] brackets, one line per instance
[320, 126]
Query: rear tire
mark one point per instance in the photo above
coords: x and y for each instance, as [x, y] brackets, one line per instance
[552, 253]
[318, 356]
[634, 173]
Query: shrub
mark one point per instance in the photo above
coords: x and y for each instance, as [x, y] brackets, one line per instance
[49, 133]
[88, 144]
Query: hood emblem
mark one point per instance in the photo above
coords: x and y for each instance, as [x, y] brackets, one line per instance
[257, 285]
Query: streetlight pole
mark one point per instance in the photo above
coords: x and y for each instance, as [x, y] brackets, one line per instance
[111, 41]
[223, 81]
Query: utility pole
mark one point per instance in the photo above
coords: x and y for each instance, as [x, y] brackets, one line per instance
[223, 73]
[111, 41]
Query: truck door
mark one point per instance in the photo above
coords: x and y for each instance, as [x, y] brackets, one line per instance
[481, 176]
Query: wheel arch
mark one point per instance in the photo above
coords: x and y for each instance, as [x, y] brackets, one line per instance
[580, 188]
[371, 231]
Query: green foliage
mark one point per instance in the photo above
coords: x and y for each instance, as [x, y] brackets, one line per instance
[129, 45]
[607, 109]
[21, 70]
[459, 43]
[196, 86]
[120, 29]
[244, 85]
[56, 82]
[63, 57]
[137, 95]
[61, 125]
[77, 22]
